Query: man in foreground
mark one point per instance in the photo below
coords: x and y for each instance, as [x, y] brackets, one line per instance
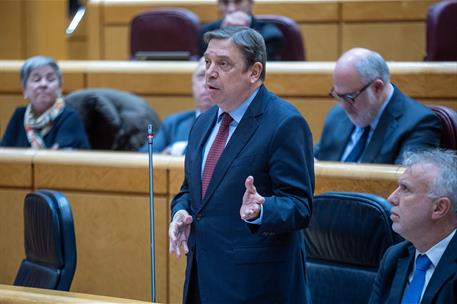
[248, 187]
[422, 269]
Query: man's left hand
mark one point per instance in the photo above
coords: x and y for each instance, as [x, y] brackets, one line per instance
[250, 208]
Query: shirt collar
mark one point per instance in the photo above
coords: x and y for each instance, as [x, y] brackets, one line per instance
[436, 252]
[375, 121]
[238, 112]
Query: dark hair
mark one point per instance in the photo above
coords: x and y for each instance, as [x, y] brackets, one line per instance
[37, 62]
[248, 41]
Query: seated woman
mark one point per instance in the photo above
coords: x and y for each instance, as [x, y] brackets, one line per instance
[45, 122]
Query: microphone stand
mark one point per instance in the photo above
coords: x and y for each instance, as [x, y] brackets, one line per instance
[151, 212]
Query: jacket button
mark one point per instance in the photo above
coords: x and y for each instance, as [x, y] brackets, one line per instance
[199, 216]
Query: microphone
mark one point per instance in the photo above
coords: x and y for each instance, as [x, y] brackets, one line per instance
[150, 138]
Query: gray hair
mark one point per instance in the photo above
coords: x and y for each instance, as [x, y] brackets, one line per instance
[37, 62]
[372, 67]
[248, 41]
[445, 182]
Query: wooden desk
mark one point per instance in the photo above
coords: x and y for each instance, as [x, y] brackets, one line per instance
[167, 85]
[108, 192]
[22, 295]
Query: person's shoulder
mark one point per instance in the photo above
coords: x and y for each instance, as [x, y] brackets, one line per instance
[267, 29]
[180, 115]
[20, 111]
[210, 26]
[398, 250]
[409, 103]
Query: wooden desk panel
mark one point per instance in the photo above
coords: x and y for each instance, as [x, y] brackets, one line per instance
[112, 234]
[16, 168]
[98, 171]
[11, 232]
[22, 295]
[111, 213]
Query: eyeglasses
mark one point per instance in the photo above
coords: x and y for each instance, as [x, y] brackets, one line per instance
[349, 97]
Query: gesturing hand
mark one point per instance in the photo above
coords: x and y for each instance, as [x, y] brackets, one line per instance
[250, 208]
[179, 232]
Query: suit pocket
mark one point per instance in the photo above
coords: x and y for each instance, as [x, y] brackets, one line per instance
[246, 160]
[259, 255]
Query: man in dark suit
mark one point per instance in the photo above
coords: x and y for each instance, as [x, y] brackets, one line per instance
[239, 13]
[422, 269]
[172, 135]
[373, 122]
[244, 242]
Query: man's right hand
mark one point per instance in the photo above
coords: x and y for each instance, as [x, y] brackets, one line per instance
[179, 232]
[237, 18]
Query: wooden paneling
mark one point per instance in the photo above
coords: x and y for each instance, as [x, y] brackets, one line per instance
[113, 243]
[387, 39]
[23, 295]
[11, 232]
[384, 10]
[16, 168]
[355, 23]
[372, 178]
[46, 21]
[97, 171]
[12, 29]
[321, 41]
[117, 43]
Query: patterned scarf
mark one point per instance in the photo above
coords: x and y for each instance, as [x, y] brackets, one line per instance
[37, 127]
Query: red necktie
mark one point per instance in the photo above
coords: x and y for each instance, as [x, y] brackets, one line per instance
[215, 151]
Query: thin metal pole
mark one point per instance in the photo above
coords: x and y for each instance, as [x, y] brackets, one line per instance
[151, 212]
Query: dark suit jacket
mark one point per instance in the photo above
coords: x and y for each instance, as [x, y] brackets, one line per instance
[404, 125]
[239, 262]
[68, 131]
[174, 128]
[271, 34]
[396, 265]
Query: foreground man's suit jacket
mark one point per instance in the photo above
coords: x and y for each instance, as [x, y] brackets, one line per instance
[398, 262]
[239, 262]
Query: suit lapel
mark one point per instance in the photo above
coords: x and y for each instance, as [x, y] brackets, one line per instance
[386, 125]
[341, 140]
[244, 131]
[401, 275]
[197, 163]
[445, 268]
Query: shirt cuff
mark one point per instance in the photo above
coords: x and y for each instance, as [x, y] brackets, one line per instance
[257, 221]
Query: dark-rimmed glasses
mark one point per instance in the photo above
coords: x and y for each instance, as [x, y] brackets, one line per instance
[349, 97]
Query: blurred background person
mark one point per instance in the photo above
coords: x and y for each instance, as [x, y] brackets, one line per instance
[45, 122]
[172, 135]
[239, 13]
[373, 121]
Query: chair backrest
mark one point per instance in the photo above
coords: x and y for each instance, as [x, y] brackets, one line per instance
[448, 118]
[50, 246]
[114, 119]
[164, 30]
[346, 240]
[442, 31]
[293, 46]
